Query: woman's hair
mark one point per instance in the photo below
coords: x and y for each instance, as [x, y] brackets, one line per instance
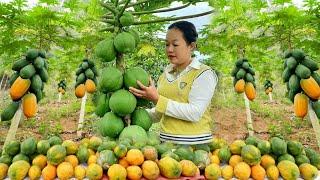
[188, 30]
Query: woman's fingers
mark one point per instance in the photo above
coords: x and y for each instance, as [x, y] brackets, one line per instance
[141, 85]
[136, 92]
[151, 81]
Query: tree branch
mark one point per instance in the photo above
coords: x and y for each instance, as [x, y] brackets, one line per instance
[173, 18]
[111, 29]
[123, 8]
[108, 16]
[116, 3]
[108, 21]
[113, 10]
[161, 10]
[137, 3]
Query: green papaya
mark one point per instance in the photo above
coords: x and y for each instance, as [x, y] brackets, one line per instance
[240, 74]
[298, 54]
[39, 63]
[13, 77]
[303, 72]
[43, 73]
[291, 63]
[32, 54]
[36, 82]
[8, 113]
[316, 77]
[18, 65]
[286, 74]
[27, 72]
[294, 83]
[309, 63]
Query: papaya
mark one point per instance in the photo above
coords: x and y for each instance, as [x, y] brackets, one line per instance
[90, 86]
[18, 170]
[9, 112]
[18, 65]
[13, 77]
[43, 73]
[29, 105]
[291, 63]
[309, 63]
[39, 63]
[56, 154]
[28, 146]
[169, 167]
[303, 72]
[27, 72]
[19, 88]
[80, 91]
[32, 54]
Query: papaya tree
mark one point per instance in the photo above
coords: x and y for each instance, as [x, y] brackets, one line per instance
[244, 82]
[300, 74]
[123, 23]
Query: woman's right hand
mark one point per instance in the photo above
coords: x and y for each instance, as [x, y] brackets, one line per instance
[146, 92]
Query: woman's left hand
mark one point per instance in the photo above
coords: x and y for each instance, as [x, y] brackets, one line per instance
[146, 92]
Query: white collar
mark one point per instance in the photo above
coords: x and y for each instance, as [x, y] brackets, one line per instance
[195, 63]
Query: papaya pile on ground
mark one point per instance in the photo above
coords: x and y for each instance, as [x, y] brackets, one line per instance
[62, 86]
[86, 80]
[268, 87]
[122, 158]
[27, 84]
[300, 74]
[243, 78]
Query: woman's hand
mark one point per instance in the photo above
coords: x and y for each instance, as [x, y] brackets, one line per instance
[145, 92]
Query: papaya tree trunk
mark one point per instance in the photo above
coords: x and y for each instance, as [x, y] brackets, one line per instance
[81, 118]
[1, 82]
[248, 113]
[314, 122]
[14, 126]
[2, 90]
[120, 64]
[59, 98]
[270, 96]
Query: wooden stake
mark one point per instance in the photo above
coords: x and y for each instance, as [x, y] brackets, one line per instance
[270, 96]
[248, 112]
[315, 123]
[14, 126]
[81, 118]
[59, 99]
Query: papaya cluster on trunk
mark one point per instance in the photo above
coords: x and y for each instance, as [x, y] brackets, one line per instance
[114, 102]
[268, 87]
[244, 80]
[27, 83]
[124, 41]
[62, 86]
[300, 74]
[86, 80]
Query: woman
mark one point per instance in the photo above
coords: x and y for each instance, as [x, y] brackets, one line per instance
[184, 90]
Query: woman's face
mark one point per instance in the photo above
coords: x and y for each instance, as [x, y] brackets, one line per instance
[177, 49]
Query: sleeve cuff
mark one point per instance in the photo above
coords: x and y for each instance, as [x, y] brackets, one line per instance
[162, 104]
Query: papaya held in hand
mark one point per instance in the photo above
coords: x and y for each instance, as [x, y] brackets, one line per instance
[146, 92]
